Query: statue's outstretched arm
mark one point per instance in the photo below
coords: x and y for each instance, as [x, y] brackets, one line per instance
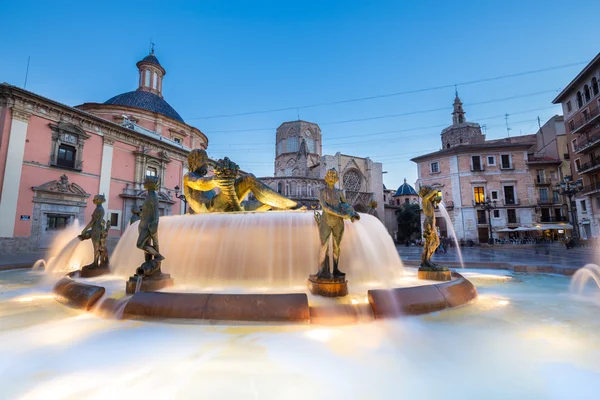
[337, 211]
[199, 183]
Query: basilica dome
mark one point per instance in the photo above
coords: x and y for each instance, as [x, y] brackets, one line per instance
[146, 101]
[405, 190]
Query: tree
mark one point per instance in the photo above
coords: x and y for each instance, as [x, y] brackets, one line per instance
[409, 222]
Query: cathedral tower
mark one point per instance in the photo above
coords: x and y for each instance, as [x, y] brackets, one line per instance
[461, 132]
[298, 148]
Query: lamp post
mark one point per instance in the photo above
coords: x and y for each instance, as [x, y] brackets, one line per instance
[181, 197]
[489, 205]
[569, 188]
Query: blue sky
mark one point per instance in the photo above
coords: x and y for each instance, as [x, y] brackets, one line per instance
[229, 57]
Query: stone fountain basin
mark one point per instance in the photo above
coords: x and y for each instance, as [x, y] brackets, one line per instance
[270, 308]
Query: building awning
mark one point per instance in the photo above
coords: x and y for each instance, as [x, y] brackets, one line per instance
[536, 228]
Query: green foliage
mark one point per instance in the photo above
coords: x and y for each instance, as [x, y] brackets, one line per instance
[409, 222]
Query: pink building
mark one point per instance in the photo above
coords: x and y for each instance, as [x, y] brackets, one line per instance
[54, 158]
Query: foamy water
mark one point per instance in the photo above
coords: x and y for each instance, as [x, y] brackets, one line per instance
[525, 338]
[271, 248]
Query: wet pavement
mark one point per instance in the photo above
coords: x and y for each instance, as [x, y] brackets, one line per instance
[542, 255]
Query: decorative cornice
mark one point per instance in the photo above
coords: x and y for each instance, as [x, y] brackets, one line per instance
[20, 115]
[28, 103]
[62, 186]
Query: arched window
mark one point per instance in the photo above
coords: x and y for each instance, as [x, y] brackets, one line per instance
[579, 100]
[155, 81]
[288, 172]
[447, 145]
[151, 171]
[352, 181]
[279, 188]
[595, 86]
[280, 147]
[292, 144]
[460, 119]
[147, 78]
[287, 189]
[586, 93]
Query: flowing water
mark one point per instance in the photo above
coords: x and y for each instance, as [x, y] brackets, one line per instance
[270, 249]
[450, 226]
[526, 337]
[586, 282]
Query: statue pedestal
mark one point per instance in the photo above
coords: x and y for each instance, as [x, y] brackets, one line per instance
[327, 287]
[90, 272]
[435, 275]
[149, 284]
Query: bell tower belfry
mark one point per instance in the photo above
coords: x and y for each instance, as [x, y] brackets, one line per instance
[461, 132]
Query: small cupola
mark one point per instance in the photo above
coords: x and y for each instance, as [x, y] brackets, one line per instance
[151, 74]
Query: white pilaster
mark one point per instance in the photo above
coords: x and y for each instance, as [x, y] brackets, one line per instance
[106, 170]
[12, 173]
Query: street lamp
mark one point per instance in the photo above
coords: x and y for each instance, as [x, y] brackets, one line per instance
[569, 188]
[181, 197]
[489, 205]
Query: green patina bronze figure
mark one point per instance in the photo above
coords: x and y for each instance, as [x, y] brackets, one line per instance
[331, 223]
[148, 276]
[431, 198]
[233, 188]
[148, 229]
[136, 213]
[96, 232]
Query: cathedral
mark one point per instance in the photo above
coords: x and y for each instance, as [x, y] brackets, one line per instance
[300, 168]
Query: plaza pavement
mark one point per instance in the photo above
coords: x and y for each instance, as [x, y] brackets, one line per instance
[540, 258]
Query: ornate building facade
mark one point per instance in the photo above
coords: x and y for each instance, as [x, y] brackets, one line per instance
[54, 158]
[300, 168]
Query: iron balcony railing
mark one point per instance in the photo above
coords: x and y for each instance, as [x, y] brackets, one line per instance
[586, 167]
[541, 181]
[594, 187]
[477, 168]
[583, 120]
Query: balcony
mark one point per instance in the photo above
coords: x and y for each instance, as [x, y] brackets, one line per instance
[512, 220]
[541, 181]
[477, 168]
[584, 121]
[545, 202]
[510, 202]
[589, 166]
[548, 219]
[594, 187]
[482, 220]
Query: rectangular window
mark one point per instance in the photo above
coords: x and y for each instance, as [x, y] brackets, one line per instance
[496, 213]
[66, 156]
[571, 126]
[434, 167]
[57, 222]
[541, 176]
[491, 160]
[494, 195]
[151, 171]
[555, 197]
[578, 164]
[509, 195]
[597, 202]
[569, 107]
[574, 144]
[583, 206]
[476, 163]
[481, 219]
[511, 213]
[505, 162]
[544, 194]
[478, 194]
[177, 140]
[114, 219]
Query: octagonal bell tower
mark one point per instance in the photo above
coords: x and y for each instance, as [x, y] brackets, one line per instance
[298, 148]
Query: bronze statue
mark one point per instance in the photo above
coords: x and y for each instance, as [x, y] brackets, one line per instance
[148, 230]
[136, 213]
[331, 222]
[96, 231]
[431, 198]
[199, 193]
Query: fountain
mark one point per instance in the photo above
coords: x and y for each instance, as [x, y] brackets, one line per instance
[233, 261]
[429, 270]
[450, 226]
[586, 282]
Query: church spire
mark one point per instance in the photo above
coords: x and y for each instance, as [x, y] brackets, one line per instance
[151, 73]
[458, 115]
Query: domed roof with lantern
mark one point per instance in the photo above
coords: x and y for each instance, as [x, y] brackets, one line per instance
[406, 190]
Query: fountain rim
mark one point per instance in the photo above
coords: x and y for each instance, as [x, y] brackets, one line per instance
[269, 308]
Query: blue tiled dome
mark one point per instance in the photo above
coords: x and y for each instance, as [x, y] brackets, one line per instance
[406, 190]
[145, 101]
[151, 58]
